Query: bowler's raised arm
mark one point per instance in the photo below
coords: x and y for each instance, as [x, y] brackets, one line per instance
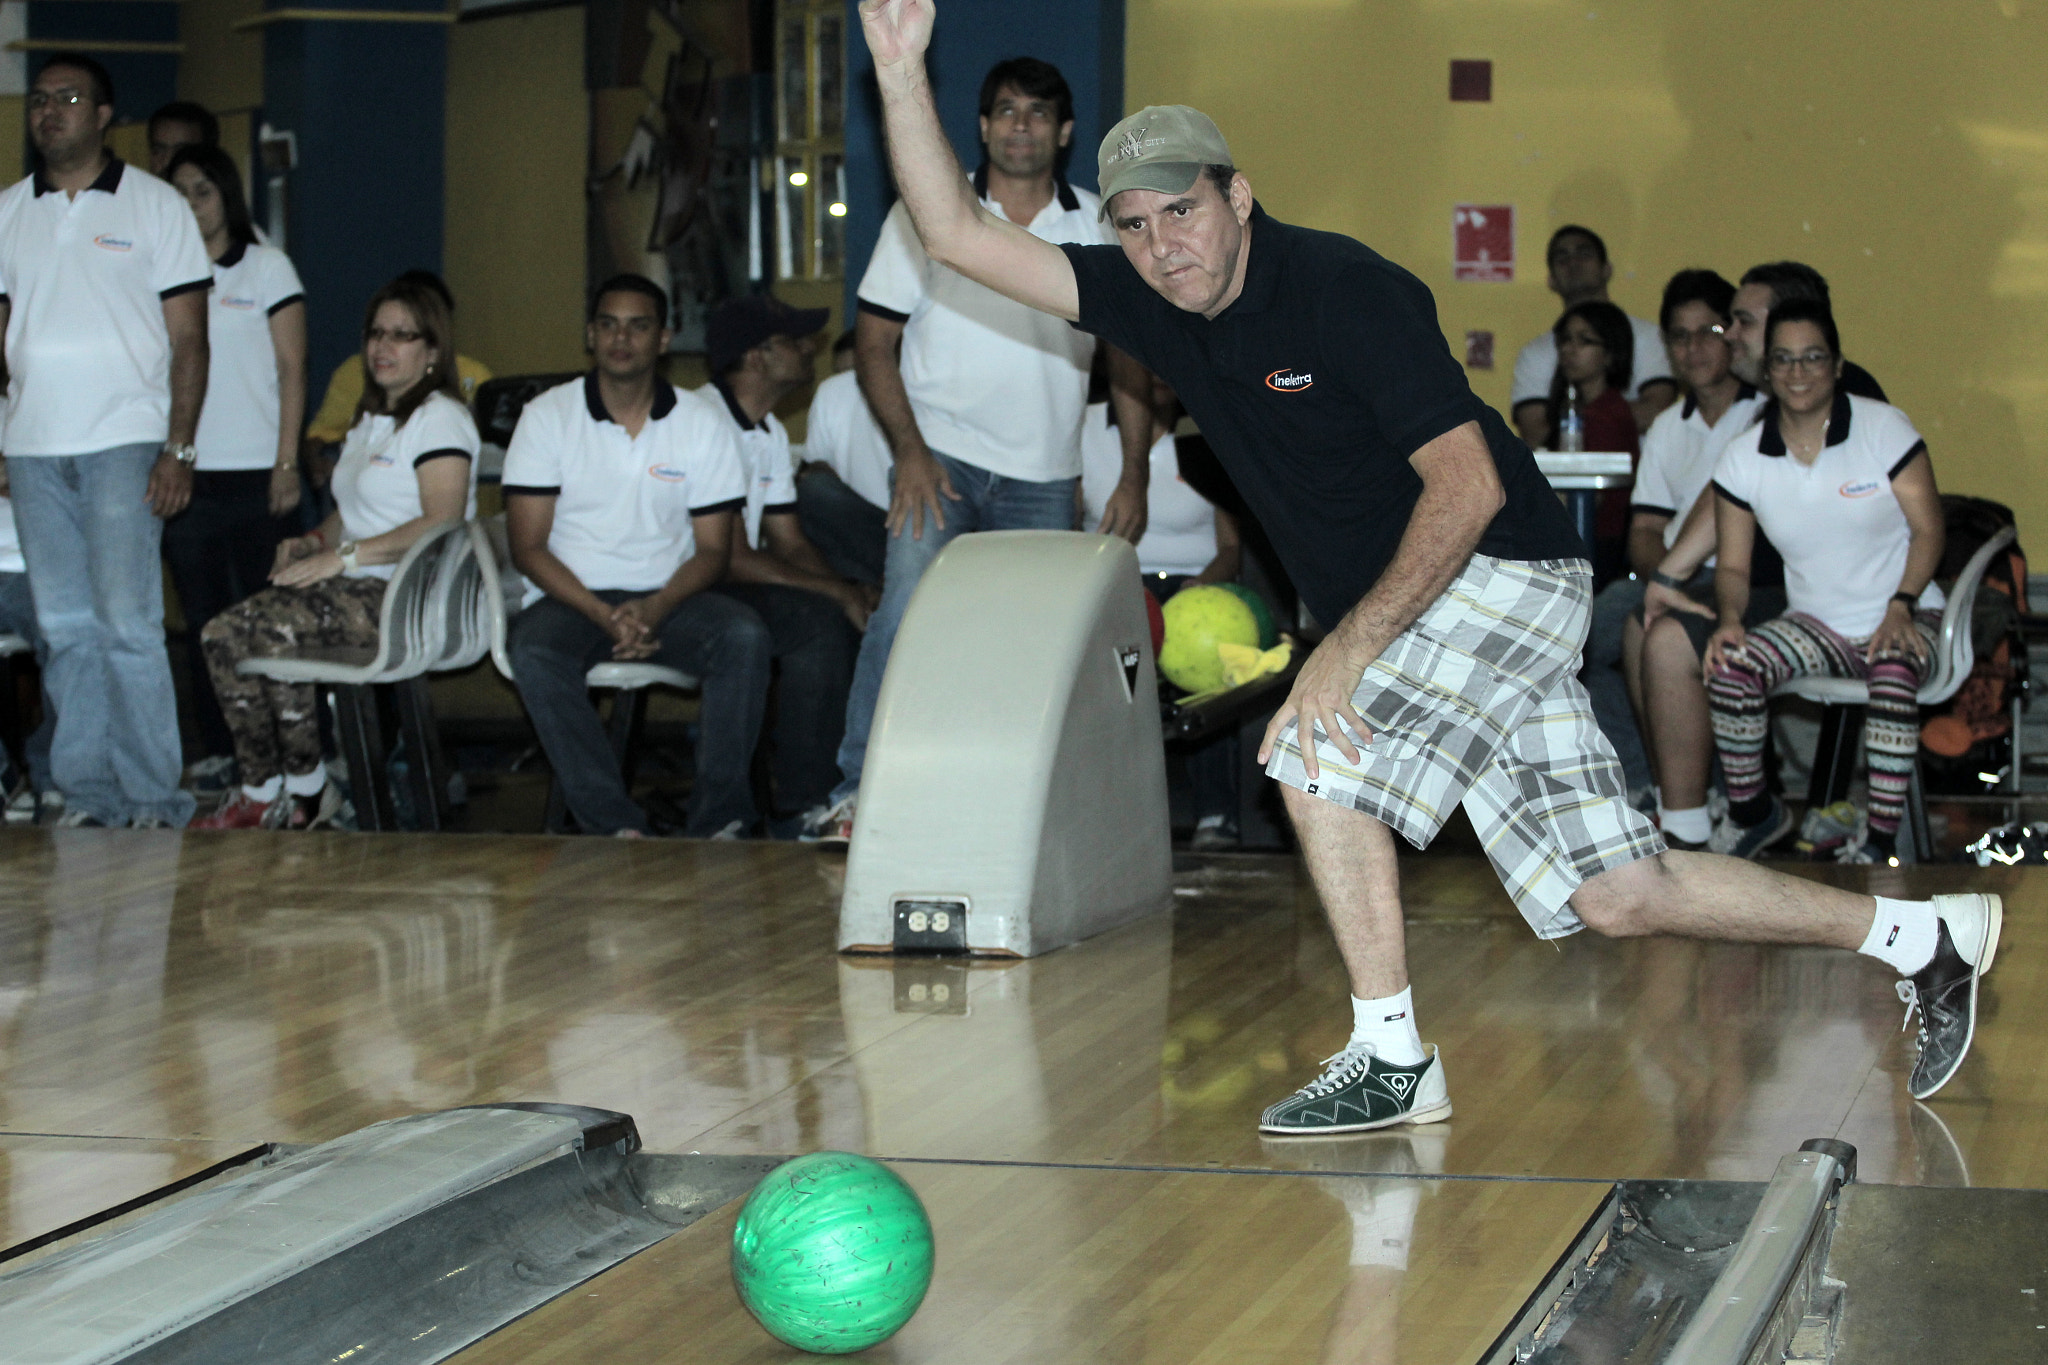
[955, 229]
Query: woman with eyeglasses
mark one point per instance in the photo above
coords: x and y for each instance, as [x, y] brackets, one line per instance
[1596, 349]
[220, 548]
[408, 465]
[1843, 488]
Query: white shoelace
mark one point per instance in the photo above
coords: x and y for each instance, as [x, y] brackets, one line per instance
[1911, 997]
[1334, 1076]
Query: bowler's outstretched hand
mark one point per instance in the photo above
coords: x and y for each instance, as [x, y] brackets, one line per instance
[898, 30]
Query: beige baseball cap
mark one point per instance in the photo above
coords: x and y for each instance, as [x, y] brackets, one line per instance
[1162, 147]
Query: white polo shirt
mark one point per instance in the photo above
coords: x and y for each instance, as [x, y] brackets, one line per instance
[1837, 521]
[85, 278]
[764, 455]
[623, 503]
[375, 483]
[1680, 451]
[1536, 364]
[10, 541]
[843, 433]
[238, 425]
[991, 382]
[1180, 524]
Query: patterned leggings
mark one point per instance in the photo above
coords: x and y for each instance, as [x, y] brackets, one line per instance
[1798, 646]
[275, 724]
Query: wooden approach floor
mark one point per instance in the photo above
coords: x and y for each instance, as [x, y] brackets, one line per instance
[1082, 1126]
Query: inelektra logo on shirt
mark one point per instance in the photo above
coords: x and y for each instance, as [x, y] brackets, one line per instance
[110, 242]
[1860, 488]
[1286, 380]
[667, 473]
[238, 301]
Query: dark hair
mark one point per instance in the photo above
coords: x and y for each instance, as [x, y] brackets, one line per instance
[844, 342]
[631, 284]
[1615, 333]
[185, 111]
[1039, 80]
[1220, 177]
[1804, 310]
[427, 279]
[436, 321]
[102, 83]
[218, 167]
[1790, 280]
[1696, 286]
[1574, 230]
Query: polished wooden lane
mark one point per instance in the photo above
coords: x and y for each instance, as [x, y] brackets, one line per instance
[49, 1183]
[1104, 1267]
[292, 988]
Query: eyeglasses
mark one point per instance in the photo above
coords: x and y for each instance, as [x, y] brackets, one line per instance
[1678, 336]
[1784, 362]
[396, 336]
[43, 99]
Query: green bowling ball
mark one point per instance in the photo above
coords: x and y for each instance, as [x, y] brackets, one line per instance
[1197, 620]
[1269, 633]
[832, 1252]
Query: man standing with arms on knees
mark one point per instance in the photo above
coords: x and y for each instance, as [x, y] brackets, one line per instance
[104, 278]
[981, 399]
[1408, 514]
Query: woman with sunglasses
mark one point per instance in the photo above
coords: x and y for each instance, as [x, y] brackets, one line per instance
[1843, 488]
[408, 465]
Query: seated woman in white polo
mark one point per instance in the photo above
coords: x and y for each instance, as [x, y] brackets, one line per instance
[1843, 487]
[407, 466]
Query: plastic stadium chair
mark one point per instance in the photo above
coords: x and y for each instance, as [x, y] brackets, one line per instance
[1834, 758]
[501, 594]
[411, 633]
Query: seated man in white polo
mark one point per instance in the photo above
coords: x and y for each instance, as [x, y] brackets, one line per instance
[619, 503]
[760, 351]
[842, 490]
[104, 277]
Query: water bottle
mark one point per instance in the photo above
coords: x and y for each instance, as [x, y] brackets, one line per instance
[1572, 424]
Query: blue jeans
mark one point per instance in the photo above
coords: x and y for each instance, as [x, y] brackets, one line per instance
[988, 502]
[1601, 673]
[716, 640]
[91, 544]
[18, 617]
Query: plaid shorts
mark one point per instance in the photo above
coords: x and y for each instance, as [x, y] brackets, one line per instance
[1479, 701]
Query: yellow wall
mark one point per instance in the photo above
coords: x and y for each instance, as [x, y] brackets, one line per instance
[221, 67]
[518, 129]
[1900, 148]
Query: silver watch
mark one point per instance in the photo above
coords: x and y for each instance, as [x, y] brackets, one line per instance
[347, 551]
[186, 455]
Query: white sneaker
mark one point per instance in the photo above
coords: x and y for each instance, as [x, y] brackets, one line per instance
[1213, 834]
[21, 806]
[831, 824]
[732, 833]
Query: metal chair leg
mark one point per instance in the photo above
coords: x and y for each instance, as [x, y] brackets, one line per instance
[1918, 847]
[1834, 757]
[362, 744]
[429, 767]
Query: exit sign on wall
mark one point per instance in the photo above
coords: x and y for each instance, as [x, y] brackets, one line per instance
[1483, 243]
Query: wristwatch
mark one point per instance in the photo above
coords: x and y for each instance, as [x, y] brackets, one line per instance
[186, 455]
[347, 551]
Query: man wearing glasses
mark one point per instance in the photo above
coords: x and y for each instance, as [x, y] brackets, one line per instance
[103, 286]
[1763, 288]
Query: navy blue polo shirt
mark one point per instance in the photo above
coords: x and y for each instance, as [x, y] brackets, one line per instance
[1314, 388]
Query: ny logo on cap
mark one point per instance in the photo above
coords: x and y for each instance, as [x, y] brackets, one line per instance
[1131, 145]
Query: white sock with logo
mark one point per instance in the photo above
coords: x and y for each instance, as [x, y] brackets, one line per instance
[306, 784]
[1903, 934]
[1694, 826]
[1389, 1025]
[264, 793]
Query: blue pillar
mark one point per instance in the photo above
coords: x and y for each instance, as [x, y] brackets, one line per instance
[1083, 38]
[365, 100]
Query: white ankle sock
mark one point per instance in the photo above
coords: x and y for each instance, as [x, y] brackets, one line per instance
[306, 784]
[1389, 1025]
[1694, 826]
[1903, 934]
[266, 792]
